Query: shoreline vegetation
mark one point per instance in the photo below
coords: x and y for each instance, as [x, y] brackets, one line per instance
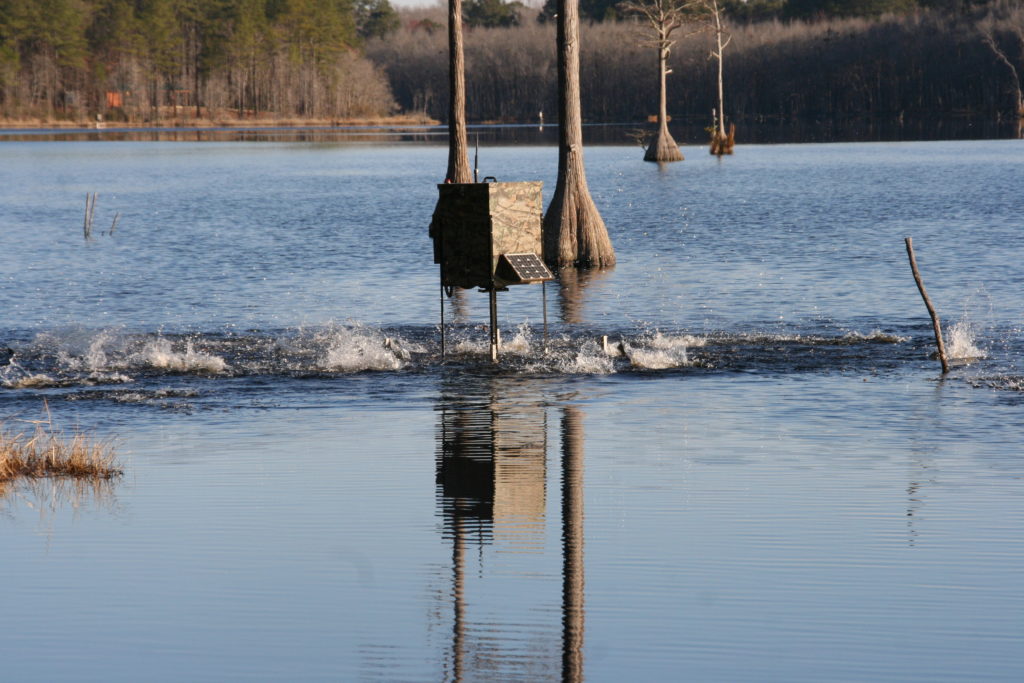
[46, 452]
[237, 63]
[171, 121]
[921, 64]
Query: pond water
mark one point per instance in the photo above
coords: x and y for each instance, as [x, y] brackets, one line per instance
[773, 481]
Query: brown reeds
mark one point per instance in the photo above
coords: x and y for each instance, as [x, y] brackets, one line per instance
[46, 451]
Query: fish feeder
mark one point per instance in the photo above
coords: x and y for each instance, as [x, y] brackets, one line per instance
[488, 235]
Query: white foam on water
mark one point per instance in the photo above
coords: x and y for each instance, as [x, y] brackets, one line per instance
[70, 354]
[519, 342]
[37, 381]
[110, 378]
[160, 354]
[658, 351]
[586, 359]
[673, 342]
[876, 336]
[357, 349]
[657, 358]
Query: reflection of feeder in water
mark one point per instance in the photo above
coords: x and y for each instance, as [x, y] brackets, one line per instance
[491, 476]
[492, 469]
[488, 235]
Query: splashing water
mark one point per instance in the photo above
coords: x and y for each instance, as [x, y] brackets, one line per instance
[357, 349]
[660, 351]
[875, 336]
[587, 358]
[160, 354]
[961, 344]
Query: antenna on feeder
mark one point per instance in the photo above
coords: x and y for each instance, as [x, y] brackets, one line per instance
[476, 159]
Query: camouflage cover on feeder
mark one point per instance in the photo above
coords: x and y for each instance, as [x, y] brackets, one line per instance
[475, 223]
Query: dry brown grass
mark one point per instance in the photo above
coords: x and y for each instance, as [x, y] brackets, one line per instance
[45, 451]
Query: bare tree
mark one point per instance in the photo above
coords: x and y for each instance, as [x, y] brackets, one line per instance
[458, 146]
[574, 232]
[987, 31]
[720, 142]
[664, 17]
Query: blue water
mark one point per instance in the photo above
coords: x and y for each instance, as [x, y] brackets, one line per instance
[774, 482]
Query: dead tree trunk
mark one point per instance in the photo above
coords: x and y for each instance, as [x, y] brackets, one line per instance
[664, 17]
[663, 147]
[574, 233]
[988, 35]
[458, 146]
[720, 142]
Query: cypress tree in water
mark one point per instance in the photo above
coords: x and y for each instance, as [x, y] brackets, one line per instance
[721, 143]
[458, 146]
[664, 16]
[574, 232]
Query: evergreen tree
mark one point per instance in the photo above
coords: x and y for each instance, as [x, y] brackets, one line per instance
[375, 18]
[492, 13]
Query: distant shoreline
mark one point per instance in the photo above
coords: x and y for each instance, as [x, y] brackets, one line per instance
[217, 122]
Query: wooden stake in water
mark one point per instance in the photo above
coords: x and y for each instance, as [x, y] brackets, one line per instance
[928, 303]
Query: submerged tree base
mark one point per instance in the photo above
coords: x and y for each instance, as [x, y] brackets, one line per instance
[663, 148]
[723, 144]
[574, 232]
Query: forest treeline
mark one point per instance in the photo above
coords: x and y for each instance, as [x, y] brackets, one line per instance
[150, 60]
[926, 63]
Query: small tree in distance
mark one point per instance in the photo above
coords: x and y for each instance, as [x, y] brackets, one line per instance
[664, 18]
[721, 143]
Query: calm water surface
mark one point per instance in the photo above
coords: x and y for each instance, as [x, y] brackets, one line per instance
[773, 483]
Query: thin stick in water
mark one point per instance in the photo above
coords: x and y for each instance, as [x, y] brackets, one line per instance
[114, 224]
[928, 303]
[85, 221]
[90, 210]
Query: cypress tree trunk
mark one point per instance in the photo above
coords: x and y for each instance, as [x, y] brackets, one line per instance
[720, 142]
[663, 147]
[574, 233]
[458, 146]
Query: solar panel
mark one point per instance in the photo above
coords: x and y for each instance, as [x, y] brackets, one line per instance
[527, 267]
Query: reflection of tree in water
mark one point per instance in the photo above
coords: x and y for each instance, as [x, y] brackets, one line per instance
[491, 478]
[572, 286]
[572, 544]
[459, 303]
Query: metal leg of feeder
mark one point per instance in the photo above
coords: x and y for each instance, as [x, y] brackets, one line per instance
[544, 298]
[442, 321]
[494, 325]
